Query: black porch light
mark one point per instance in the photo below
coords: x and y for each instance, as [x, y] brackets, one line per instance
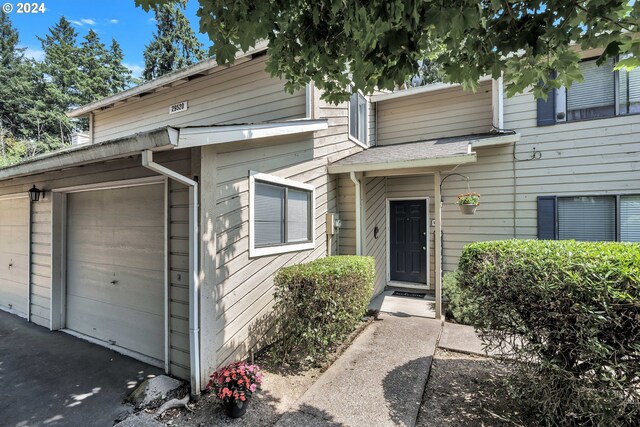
[34, 194]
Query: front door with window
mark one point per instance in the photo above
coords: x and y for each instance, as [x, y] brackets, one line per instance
[408, 241]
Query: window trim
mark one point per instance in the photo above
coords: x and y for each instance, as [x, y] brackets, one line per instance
[283, 247]
[363, 144]
[616, 196]
[560, 95]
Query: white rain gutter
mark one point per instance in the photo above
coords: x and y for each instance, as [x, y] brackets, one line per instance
[194, 285]
[356, 181]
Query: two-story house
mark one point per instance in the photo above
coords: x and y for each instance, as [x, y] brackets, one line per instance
[160, 237]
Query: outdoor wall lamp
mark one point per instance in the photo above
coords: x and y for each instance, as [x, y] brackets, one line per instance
[34, 194]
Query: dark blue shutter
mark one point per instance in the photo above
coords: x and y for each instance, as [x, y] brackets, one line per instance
[547, 110]
[547, 218]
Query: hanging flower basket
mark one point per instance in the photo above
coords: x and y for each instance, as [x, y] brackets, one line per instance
[468, 203]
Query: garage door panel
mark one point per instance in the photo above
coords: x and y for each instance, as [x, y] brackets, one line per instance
[14, 296]
[14, 212]
[106, 322]
[14, 239]
[18, 270]
[96, 208]
[117, 235]
[134, 288]
[119, 246]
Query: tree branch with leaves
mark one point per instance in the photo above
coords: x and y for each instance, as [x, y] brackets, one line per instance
[377, 44]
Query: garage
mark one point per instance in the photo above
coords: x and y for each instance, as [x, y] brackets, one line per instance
[115, 268]
[14, 255]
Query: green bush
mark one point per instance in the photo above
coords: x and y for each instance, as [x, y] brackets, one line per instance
[458, 303]
[568, 315]
[319, 304]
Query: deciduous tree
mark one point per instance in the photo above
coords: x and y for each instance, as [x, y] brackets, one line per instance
[379, 43]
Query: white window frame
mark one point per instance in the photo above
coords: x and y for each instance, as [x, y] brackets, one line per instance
[364, 144]
[285, 247]
[617, 217]
[561, 100]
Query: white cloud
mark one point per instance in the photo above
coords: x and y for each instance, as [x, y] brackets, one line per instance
[113, 21]
[82, 22]
[35, 54]
[136, 70]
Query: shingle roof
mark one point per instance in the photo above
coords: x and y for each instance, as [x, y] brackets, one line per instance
[426, 153]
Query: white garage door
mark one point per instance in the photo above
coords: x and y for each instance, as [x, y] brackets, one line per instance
[14, 246]
[115, 268]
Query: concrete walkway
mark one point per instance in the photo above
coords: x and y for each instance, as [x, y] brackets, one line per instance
[378, 381]
[463, 339]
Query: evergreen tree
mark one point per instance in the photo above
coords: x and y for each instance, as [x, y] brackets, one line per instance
[61, 58]
[60, 80]
[95, 70]
[120, 76]
[16, 90]
[174, 45]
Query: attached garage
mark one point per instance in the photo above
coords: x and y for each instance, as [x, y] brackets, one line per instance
[14, 255]
[115, 268]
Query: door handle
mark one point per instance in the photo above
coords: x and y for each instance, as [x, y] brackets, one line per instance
[424, 248]
[114, 282]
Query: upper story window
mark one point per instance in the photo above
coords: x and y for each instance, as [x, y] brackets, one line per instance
[358, 118]
[281, 215]
[603, 93]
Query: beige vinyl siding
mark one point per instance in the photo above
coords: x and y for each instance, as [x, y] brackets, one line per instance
[113, 170]
[238, 290]
[41, 261]
[371, 123]
[375, 208]
[492, 177]
[243, 93]
[445, 113]
[347, 211]
[179, 279]
[578, 158]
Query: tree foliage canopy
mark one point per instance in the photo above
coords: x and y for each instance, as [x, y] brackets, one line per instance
[34, 96]
[174, 45]
[379, 43]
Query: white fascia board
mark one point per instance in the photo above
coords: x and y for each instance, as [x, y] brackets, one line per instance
[418, 90]
[166, 81]
[210, 135]
[495, 141]
[156, 140]
[453, 160]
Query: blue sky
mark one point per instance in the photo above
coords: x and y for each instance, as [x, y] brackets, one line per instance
[131, 26]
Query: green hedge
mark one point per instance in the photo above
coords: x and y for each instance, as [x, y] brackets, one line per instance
[568, 315]
[319, 304]
[458, 304]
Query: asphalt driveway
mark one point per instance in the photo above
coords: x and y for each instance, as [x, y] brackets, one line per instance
[54, 379]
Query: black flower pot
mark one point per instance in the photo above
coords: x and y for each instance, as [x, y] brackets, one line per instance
[237, 408]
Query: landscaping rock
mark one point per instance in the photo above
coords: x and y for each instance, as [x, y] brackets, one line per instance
[154, 391]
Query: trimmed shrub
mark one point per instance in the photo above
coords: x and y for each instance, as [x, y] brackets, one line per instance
[458, 303]
[568, 315]
[319, 304]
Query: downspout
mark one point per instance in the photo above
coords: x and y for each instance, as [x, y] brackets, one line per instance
[356, 181]
[194, 286]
